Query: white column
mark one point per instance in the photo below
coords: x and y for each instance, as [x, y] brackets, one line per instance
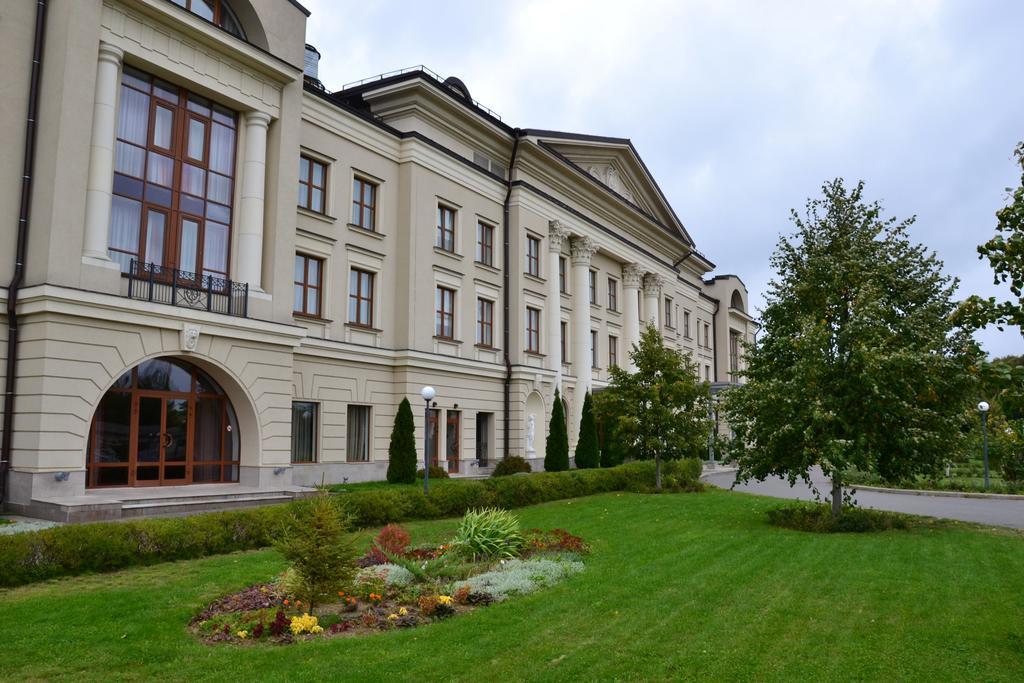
[557, 234]
[250, 215]
[582, 250]
[100, 178]
[652, 299]
[632, 274]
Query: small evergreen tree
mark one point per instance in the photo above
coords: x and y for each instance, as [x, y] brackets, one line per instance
[556, 454]
[402, 449]
[587, 455]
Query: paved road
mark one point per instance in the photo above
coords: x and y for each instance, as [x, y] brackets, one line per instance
[995, 512]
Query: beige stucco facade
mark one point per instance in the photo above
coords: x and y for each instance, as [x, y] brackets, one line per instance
[421, 143]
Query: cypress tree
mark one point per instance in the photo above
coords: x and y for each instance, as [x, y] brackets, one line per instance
[587, 455]
[556, 454]
[402, 449]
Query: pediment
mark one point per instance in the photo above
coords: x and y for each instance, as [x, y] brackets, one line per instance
[614, 163]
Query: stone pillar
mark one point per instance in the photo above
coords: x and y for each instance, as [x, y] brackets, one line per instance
[250, 221]
[583, 249]
[652, 299]
[632, 274]
[557, 234]
[100, 178]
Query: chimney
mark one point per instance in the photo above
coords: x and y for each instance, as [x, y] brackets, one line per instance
[311, 67]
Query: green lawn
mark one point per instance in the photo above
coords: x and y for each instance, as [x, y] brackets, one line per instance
[679, 587]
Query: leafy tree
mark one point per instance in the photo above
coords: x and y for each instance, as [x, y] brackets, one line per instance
[660, 410]
[861, 363]
[402, 449]
[556, 454]
[1005, 253]
[587, 455]
[610, 443]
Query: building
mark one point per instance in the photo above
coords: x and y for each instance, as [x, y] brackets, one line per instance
[234, 275]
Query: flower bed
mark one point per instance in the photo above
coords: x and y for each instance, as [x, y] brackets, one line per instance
[400, 585]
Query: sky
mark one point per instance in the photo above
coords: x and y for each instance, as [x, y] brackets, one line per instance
[741, 109]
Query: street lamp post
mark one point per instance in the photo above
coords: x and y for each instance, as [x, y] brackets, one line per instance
[428, 395]
[983, 409]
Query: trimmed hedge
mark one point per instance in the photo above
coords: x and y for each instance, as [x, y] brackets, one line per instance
[512, 464]
[107, 546]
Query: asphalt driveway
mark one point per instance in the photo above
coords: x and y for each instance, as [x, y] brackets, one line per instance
[992, 511]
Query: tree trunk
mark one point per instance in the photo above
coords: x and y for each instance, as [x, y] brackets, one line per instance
[657, 472]
[837, 495]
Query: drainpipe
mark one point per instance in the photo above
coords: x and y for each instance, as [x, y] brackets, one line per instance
[714, 337]
[506, 284]
[22, 244]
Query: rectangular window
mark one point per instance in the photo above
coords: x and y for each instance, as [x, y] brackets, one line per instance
[686, 324]
[533, 330]
[484, 322]
[564, 340]
[533, 256]
[707, 373]
[593, 349]
[485, 244]
[707, 332]
[734, 353]
[304, 431]
[613, 351]
[613, 295]
[364, 204]
[360, 298]
[563, 287]
[593, 286]
[173, 185]
[668, 312]
[483, 438]
[453, 439]
[312, 184]
[444, 322]
[445, 228]
[358, 434]
[308, 274]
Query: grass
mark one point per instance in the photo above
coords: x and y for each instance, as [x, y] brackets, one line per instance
[679, 587]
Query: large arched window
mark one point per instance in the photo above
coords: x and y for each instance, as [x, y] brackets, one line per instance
[737, 300]
[216, 12]
[163, 422]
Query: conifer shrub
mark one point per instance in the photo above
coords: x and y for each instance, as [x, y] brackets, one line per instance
[402, 449]
[587, 455]
[556, 454]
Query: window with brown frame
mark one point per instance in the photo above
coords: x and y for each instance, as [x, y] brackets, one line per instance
[444, 321]
[485, 243]
[358, 434]
[533, 330]
[613, 351]
[484, 322]
[686, 324]
[564, 341]
[174, 166]
[364, 204]
[445, 228]
[304, 431]
[613, 295]
[308, 275]
[533, 256]
[312, 184]
[563, 286]
[216, 12]
[360, 298]
[668, 313]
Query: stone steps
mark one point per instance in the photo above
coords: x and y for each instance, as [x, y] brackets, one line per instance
[169, 507]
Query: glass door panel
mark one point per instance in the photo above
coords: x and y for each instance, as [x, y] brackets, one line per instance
[189, 245]
[433, 417]
[453, 440]
[175, 439]
[148, 439]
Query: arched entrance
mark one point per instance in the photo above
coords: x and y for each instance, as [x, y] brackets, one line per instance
[163, 422]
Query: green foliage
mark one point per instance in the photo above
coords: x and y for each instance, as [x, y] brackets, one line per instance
[402, 449]
[315, 540]
[1005, 253]
[436, 472]
[819, 519]
[489, 533]
[556, 453]
[512, 464]
[860, 363]
[107, 546]
[587, 454]
[612, 447]
[660, 411]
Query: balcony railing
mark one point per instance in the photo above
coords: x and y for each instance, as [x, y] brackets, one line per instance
[150, 282]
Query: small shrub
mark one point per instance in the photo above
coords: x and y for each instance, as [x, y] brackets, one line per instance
[511, 465]
[315, 540]
[818, 518]
[556, 452]
[490, 533]
[517, 577]
[1012, 467]
[436, 472]
[402, 448]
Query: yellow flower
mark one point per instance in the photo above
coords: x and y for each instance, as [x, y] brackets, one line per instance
[444, 599]
[402, 612]
[242, 634]
[392, 617]
[305, 624]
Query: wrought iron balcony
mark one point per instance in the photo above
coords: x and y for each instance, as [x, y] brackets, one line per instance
[151, 282]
